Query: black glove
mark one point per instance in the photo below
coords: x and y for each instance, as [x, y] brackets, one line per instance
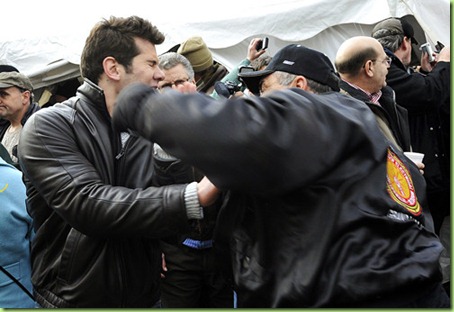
[128, 104]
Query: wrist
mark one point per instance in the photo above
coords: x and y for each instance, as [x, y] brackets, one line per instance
[191, 199]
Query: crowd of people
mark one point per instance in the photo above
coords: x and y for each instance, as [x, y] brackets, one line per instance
[150, 187]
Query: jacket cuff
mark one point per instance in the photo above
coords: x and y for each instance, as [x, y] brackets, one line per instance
[191, 200]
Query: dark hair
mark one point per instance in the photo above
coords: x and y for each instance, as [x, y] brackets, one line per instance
[355, 62]
[115, 37]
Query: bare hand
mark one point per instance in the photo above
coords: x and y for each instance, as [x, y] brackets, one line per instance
[425, 64]
[444, 55]
[252, 52]
[421, 167]
[186, 87]
[207, 192]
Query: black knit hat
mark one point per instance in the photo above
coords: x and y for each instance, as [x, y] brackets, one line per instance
[298, 60]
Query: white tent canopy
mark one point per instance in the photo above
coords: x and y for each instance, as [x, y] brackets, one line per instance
[44, 39]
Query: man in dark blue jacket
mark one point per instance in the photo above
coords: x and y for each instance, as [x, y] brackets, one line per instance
[323, 210]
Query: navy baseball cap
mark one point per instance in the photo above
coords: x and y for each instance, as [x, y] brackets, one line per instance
[298, 60]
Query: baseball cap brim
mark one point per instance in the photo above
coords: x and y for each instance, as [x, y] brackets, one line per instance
[5, 85]
[252, 79]
[408, 31]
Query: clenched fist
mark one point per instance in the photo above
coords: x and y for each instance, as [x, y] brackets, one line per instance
[128, 105]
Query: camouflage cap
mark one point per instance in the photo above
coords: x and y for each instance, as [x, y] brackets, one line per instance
[394, 26]
[15, 79]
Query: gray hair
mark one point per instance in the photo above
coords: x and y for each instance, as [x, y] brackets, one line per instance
[171, 59]
[285, 79]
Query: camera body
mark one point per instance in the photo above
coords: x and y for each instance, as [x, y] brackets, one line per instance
[427, 48]
[227, 89]
[263, 44]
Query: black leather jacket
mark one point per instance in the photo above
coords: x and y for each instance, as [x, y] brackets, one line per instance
[97, 221]
[323, 211]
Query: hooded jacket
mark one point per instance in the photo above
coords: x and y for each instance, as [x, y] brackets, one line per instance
[323, 211]
[97, 220]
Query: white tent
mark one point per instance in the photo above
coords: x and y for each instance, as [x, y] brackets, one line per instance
[44, 39]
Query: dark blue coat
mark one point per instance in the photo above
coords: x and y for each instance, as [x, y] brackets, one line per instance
[323, 211]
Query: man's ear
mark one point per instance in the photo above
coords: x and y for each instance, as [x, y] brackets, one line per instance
[26, 97]
[300, 82]
[368, 68]
[111, 68]
[406, 43]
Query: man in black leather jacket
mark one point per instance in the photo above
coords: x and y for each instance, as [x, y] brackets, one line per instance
[323, 210]
[97, 218]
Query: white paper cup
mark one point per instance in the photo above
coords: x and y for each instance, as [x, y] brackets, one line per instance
[415, 157]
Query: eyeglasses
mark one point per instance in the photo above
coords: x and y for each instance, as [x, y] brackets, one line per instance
[176, 83]
[387, 60]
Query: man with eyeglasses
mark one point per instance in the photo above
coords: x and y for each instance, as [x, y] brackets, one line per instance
[362, 65]
[190, 278]
[177, 70]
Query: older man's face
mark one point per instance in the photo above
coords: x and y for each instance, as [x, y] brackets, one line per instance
[12, 102]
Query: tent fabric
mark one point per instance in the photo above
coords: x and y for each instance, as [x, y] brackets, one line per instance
[46, 45]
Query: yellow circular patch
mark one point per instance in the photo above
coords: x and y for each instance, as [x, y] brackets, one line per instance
[400, 185]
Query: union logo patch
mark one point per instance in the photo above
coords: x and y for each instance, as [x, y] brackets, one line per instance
[400, 185]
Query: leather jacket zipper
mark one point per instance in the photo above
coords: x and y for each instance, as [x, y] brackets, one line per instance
[121, 262]
[121, 154]
[123, 145]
